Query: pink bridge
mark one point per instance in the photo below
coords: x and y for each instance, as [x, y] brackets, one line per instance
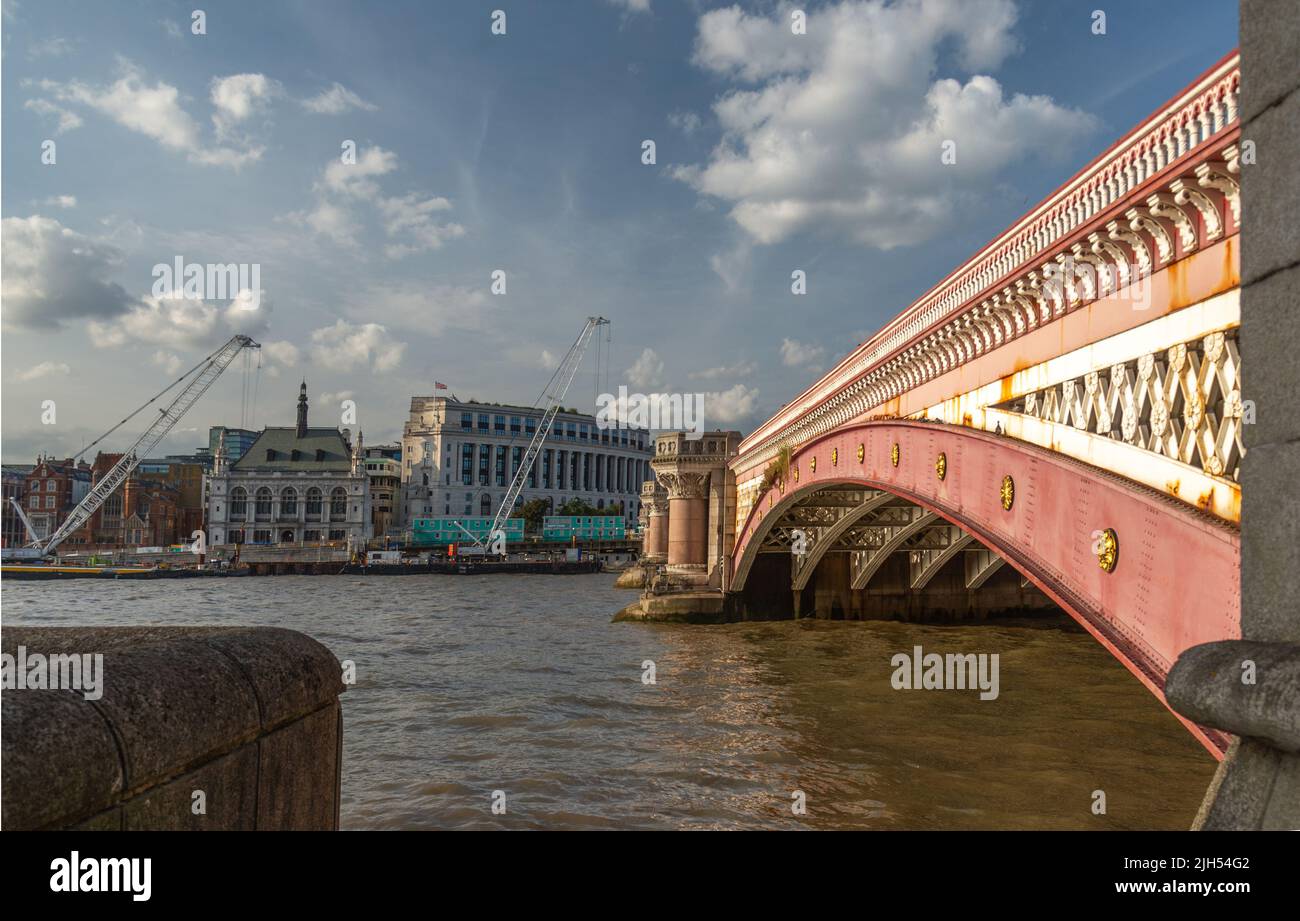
[1059, 418]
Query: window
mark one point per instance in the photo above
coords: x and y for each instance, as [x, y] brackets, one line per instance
[501, 466]
[262, 507]
[499, 423]
[238, 504]
[314, 506]
[571, 430]
[467, 421]
[514, 424]
[311, 535]
[288, 502]
[485, 505]
[338, 535]
[530, 426]
[338, 504]
[467, 465]
[483, 422]
[582, 431]
[35, 501]
[484, 453]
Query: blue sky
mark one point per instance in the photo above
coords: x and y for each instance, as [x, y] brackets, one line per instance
[522, 152]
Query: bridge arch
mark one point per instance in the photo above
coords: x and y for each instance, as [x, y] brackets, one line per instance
[1053, 519]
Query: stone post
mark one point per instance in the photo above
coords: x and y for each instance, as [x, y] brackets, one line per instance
[1249, 687]
[654, 504]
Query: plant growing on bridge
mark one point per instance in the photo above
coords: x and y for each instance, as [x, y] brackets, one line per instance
[776, 470]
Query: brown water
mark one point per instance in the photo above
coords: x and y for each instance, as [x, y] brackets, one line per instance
[519, 683]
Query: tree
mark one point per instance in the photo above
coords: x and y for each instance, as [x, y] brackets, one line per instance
[533, 511]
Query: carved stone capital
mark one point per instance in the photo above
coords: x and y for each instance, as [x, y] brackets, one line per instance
[682, 484]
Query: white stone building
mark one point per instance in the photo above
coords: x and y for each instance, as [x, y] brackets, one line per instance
[291, 486]
[459, 459]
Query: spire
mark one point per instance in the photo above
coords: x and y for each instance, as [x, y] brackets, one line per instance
[302, 410]
[219, 459]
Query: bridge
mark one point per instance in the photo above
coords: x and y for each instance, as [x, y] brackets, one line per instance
[1057, 422]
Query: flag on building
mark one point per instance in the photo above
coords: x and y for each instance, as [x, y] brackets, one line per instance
[439, 385]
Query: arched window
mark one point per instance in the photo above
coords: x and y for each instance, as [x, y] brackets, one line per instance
[238, 504]
[485, 505]
[338, 504]
[262, 504]
[313, 504]
[288, 502]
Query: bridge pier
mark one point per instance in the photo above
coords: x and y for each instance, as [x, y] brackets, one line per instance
[1251, 687]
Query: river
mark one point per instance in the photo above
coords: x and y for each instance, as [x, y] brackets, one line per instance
[520, 683]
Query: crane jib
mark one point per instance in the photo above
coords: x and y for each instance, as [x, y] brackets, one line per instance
[167, 418]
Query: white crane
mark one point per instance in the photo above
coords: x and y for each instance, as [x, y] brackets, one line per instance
[553, 398]
[208, 371]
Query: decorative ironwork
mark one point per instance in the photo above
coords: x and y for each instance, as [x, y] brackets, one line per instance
[812, 465]
[1183, 402]
[835, 457]
[862, 452]
[1108, 550]
[1008, 493]
[941, 465]
[893, 454]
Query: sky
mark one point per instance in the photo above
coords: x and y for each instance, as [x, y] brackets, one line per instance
[379, 162]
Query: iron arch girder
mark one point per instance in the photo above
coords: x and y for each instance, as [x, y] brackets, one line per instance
[806, 565]
[932, 560]
[866, 563]
[1145, 612]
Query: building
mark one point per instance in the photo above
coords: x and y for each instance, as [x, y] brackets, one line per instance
[145, 511]
[384, 468]
[14, 532]
[53, 489]
[291, 485]
[237, 442]
[458, 458]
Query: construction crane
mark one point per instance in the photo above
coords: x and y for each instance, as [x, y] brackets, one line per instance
[553, 398]
[208, 371]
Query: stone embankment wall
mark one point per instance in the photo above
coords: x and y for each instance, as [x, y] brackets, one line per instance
[197, 728]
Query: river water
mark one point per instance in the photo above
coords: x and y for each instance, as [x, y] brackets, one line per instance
[472, 684]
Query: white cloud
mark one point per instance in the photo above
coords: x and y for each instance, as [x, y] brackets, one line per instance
[739, 369]
[730, 406]
[68, 120]
[546, 361]
[52, 273]
[408, 305]
[237, 97]
[409, 221]
[172, 28]
[337, 100]
[796, 354]
[181, 323]
[647, 371]
[346, 346]
[841, 130]
[155, 111]
[50, 48]
[44, 369]
[170, 362]
[632, 6]
[685, 122]
[732, 266]
[61, 201]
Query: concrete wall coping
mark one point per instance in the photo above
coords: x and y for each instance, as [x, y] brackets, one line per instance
[1206, 685]
[173, 698]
